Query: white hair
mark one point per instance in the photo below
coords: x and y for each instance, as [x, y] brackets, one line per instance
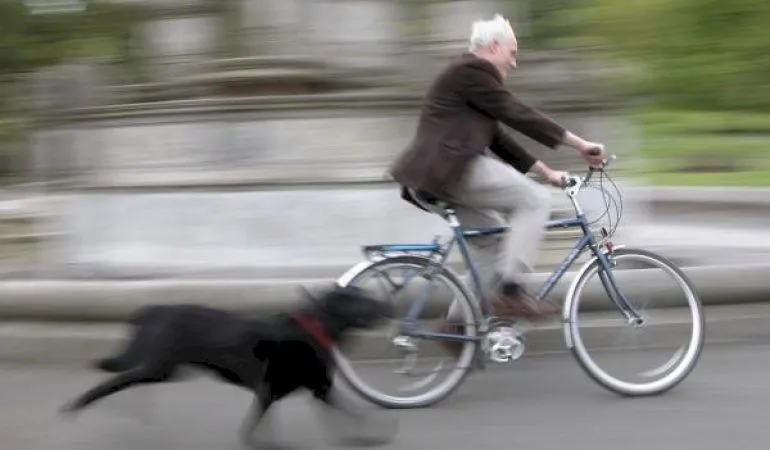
[485, 32]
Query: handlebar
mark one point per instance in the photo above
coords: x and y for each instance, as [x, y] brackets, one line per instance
[572, 184]
[573, 180]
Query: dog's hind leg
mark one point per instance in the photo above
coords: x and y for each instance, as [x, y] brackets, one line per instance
[129, 358]
[149, 324]
[143, 375]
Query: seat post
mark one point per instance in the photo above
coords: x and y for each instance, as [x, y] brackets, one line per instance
[451, 217]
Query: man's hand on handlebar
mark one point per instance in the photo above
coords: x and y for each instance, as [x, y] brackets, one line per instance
[569, 180]
[553, 176]
[592, 152]
[556, 178]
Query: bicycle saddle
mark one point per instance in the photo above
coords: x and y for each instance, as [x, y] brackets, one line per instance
[425, 201]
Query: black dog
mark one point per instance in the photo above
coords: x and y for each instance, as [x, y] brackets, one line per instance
[271, 356]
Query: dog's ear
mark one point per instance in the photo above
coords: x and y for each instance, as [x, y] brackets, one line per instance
[309, 295]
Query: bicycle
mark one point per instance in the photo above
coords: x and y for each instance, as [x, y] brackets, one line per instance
[502, 340]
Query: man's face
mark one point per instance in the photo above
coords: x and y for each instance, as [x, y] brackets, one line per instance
[505, 55]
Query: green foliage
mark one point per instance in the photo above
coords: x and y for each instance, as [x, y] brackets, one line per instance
[549, 22]
[755, 178]
[698, 54]
[707, 148]
[31, 41]
[672, 122]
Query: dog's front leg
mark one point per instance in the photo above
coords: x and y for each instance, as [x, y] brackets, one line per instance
[363, 431]
[330, 397]
[259, 405]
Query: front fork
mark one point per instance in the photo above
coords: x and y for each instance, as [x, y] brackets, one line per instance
[606, 263]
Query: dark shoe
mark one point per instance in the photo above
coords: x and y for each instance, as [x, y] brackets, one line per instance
[523, 304]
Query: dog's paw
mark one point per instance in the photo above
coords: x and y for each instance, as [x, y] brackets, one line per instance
[68, 411]
[368, 431]
[247, 438]
[251, 439]
[261, 443]
[365, 441]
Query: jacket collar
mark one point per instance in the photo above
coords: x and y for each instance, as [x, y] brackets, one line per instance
[471, 59]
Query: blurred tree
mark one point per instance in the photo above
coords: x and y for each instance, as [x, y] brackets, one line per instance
[547, 22]
[30, 41]
[705, 54]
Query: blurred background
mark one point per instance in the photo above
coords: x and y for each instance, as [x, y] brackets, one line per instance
[146, 145]
[252, 137]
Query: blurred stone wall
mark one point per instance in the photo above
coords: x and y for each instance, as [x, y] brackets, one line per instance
[213, 181]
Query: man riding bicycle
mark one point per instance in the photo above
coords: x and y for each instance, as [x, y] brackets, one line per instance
[463, 114]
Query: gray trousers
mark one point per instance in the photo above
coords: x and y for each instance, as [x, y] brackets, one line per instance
[495, 194]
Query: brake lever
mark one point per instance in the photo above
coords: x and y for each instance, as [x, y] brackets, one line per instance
[591, 171]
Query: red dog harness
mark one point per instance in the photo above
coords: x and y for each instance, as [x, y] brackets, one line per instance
[314, 327]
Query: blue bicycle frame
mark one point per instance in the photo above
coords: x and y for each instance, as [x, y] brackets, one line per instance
[460, 235]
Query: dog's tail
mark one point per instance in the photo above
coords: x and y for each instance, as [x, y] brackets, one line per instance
[131, 356]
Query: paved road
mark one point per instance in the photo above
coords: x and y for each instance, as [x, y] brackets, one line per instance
[543, 402]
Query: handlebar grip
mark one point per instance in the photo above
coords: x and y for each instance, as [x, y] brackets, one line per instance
[595, 151]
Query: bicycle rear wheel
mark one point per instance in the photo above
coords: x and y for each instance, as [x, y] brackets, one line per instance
[405, 278]
[675, 327]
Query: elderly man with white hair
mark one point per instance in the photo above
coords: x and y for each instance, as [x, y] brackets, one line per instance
[464, 113]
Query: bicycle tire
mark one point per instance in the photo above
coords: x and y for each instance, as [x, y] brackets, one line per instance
[461, 370]
[575, 343]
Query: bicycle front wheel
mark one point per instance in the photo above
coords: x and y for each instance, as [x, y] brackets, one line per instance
[666, 344]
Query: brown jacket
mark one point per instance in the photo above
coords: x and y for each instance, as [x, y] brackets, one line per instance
[463, 114]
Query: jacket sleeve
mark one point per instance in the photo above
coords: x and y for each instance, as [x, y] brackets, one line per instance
[484, 91]
[505, 146]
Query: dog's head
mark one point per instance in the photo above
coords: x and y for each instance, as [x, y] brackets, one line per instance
[351, 307]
